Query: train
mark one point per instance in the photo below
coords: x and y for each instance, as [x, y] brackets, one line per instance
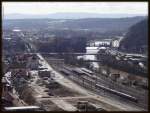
[101, 87]
[118, 93]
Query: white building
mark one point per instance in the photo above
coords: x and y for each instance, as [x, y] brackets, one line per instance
[115, 43]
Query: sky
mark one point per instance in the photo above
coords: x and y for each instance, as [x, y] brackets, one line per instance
[87, 7]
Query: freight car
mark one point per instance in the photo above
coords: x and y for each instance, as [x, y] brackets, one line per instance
[65, 72]
[78, 71]
[82, 73]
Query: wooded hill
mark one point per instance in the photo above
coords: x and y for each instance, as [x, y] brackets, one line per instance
[136, 39]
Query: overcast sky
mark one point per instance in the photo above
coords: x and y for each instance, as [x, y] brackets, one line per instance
[89, 7]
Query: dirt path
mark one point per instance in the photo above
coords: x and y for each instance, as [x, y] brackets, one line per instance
[64, 105]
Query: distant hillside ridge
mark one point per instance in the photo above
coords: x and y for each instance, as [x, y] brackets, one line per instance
[136, 39]
[67, 15]
[101, 25]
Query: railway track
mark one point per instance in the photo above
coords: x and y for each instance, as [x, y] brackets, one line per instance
[90, 83]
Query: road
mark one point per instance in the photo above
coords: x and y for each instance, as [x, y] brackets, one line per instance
[66, 98]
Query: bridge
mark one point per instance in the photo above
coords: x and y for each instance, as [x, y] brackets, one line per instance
[65, 53]
[78, 54]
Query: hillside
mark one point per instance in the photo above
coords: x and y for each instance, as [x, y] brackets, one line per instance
[136, 39]
[67, 15]
[102, 25]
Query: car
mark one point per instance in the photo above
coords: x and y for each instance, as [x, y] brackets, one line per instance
[45, 78]
[46, 90]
